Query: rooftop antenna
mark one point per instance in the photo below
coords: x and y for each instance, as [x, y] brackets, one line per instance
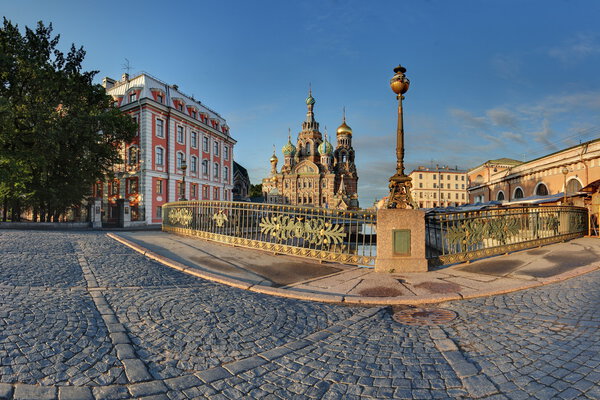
[127, 66]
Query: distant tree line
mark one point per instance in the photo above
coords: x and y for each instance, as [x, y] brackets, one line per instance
[59, 132]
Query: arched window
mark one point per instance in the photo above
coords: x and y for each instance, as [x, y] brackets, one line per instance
[205, 167]
[541, 190]
[179, 160]
[573, 186]
[479, 180]
[194, 164]
[308, 148]
[518, 193]
[499, 196]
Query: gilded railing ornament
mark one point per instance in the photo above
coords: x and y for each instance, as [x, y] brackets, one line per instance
[315, 231]
[180, 216]
[220, 218]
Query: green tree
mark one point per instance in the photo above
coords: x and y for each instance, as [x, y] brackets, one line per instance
[59, 132]
[255, 191]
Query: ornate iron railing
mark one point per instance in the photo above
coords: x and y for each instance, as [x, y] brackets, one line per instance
[318, 233]
[467, 235]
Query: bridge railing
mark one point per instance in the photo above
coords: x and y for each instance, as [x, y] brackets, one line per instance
[467, 235]
[324, 234]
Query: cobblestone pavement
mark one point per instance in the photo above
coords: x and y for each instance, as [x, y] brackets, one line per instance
[84, 317]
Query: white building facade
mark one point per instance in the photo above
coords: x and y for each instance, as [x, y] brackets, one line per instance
[174, 130]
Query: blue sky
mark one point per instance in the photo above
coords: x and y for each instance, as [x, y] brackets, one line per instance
[489, 79]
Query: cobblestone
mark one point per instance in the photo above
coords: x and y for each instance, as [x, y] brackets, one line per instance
[82, 316]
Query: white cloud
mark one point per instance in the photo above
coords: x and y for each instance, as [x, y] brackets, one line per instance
[502, 117]
[506, 66]
[469, 120]
[576, 49]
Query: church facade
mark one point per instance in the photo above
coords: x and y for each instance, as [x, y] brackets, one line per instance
[314, 173]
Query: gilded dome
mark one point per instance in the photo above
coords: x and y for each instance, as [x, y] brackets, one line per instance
[344, 129]
[273, 158]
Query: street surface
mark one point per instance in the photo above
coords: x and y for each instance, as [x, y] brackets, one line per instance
[84, 317]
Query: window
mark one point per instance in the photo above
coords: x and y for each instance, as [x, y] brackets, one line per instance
[216, 148]
[308, 149]
[441, 195]
[421, 195]
[573, 186]
[194, 186]
[194, 166]
[205, 167]
[434, 176]
[518, 193]
[159, 212]
[180, 106]
[420, 176]
[463, 196]
[180, 160]
[441, 177]
[448, 177]
[434, 185]
[159, 98]
[541, 190]
[132, 185]
[462, 177]
[226, 174]
[456, 186]
[205, 193]
[132, 156]
[193, 114]
[205, 144]
[462, 186]
[441, 185]
[421, 184]
[114, 189]
[500, 196]
[137, 125]
[180, 135]
[194, 139]
[159, 186]
[132, 97]
[160, 128]
[226, 152]
[434, 195]
[216, 171]
[159, 153]
[456, 196]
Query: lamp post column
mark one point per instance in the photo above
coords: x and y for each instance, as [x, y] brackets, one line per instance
[400, 184]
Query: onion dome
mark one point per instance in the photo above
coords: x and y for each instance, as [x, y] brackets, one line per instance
[344, 129]
[273, 157]
[325, 148]
[289, 149]
[310, 100]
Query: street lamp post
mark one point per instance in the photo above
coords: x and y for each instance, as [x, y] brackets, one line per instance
[183, 168]
[565, 171]
[399, 183]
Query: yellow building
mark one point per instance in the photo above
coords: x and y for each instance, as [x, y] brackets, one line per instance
[507, 180]
[439, 187]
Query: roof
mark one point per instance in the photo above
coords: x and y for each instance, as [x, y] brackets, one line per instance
[241, 169]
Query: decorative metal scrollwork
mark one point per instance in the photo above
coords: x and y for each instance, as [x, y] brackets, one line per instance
[220, 218]
[180, 216]
[315, 231]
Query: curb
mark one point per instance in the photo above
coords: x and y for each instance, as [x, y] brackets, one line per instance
[347, 299]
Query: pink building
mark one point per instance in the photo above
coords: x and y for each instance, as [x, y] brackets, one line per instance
[174, 131]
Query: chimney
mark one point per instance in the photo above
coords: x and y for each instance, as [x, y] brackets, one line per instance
[107, 82]
[175, 87]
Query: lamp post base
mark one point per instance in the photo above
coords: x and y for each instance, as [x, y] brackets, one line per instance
[400, 192]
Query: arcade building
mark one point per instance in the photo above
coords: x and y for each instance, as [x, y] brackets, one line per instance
[314, 173]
